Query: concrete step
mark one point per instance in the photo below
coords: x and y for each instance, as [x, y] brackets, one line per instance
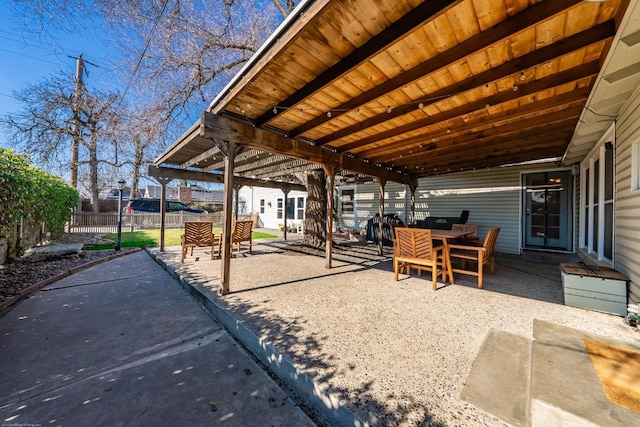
[565, 388]
[550, 381]
[499, 379]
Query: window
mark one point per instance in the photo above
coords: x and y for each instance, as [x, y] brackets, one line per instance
[291, 208]
[300, 207]
[279, 208]
[597, 201]
[261, 206]
[347, 196]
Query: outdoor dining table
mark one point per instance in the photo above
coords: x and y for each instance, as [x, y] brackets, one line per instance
[445, 236]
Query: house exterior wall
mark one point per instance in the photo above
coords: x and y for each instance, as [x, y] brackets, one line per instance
[493, 198]
[627, 202]
[367, 204]
[250, 197]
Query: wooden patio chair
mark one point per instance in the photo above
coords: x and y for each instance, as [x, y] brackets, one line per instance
[476, 256]
[413, 248]
[471, 237]
[241, 233]
[197, 233]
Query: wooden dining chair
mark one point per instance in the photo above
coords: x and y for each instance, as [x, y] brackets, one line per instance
[413, 248]
[471, 236]
[474, 257]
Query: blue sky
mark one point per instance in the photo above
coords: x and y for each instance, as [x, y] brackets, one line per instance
[28, 57]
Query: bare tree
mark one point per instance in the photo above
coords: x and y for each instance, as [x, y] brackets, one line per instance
[45, 126]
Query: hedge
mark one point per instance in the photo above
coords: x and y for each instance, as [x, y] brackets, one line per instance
[30, 197]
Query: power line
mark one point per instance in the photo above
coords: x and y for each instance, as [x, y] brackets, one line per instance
[29, 56]
[144, 51]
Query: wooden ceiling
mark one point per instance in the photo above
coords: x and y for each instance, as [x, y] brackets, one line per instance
[417, 88]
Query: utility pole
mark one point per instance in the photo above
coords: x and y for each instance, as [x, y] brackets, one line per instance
[76, 122]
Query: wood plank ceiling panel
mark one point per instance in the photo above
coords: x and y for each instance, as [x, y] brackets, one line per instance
[423, 87]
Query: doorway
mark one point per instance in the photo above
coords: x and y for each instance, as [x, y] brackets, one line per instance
[547, 210]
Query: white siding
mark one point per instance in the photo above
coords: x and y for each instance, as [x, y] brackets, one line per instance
[250, 197]
[492, 197]
[627, 203]
[367, 204]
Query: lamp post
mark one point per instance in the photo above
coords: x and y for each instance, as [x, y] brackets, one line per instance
[120, 188]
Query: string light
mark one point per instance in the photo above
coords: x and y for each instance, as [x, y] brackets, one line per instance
[388, 108]
[237, 108]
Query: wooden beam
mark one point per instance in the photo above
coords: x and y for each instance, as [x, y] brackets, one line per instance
[291, 167]
[243, 158]
[538, 12]
[163, 209]
[475, 149]
[409, 145]
[547, 53]
[381, 184]
[331, 176]
[589, 69]
[225, 244]
[211, 152]
[412, 213]
[161, 172]
[548, 123]
[390, 35]
[215, 126]
[522, 150]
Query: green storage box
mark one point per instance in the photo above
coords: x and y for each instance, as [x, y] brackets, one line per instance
[595, 288]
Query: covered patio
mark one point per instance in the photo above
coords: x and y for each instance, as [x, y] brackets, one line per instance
[397, 353]
[396, 91]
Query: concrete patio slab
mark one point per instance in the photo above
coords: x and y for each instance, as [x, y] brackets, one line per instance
[394, 353]
[122, 344]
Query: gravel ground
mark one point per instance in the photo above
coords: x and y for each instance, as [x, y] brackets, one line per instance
[396, 353]
[32, 269]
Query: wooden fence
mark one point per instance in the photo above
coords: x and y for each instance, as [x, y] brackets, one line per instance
[107, 222]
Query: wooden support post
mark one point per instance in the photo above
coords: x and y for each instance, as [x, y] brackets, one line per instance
[412, 215]
[381, 183]
[163, 202]
[331, 179]
[229, 150]
[236, 191]
[286, 196]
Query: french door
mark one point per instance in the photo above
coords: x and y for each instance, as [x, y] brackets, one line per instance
[548, 210]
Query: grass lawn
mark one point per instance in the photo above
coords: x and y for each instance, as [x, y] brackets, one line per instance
[147, 238]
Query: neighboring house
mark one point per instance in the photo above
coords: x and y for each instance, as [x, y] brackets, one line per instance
[198, 194]
[113, 194]
[269, 204]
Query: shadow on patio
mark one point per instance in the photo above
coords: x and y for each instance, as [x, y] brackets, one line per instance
[394, 353]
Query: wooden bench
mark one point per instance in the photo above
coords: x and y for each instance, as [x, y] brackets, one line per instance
[242, 231]
[197, 233]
